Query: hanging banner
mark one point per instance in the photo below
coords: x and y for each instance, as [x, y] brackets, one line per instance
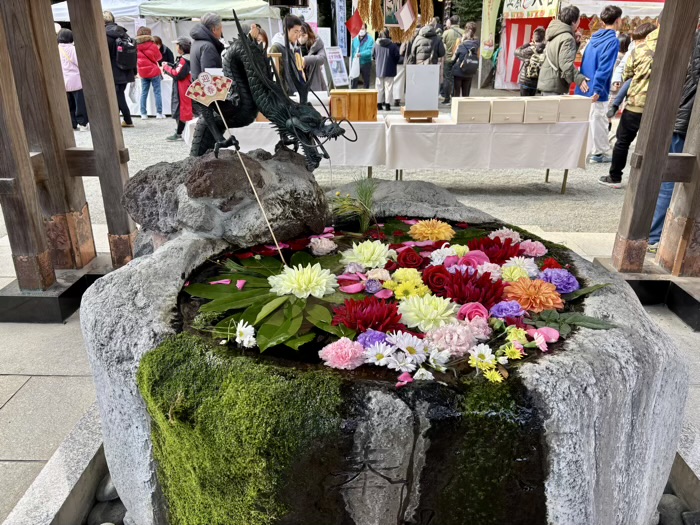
[489, 15]
[308, 14]
[340, 29]
[530, 8]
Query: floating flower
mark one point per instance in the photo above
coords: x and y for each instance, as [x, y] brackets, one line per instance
[474, 258]
[562, 279]
[400, 362]
[482, 358]
[406, 274]
[245, 335]
[497, 250]
[373, 286]
[460, 249]
[321, 246]
[507, 309]
[437, 257]
[463, 289]
[371, 337]
[404, 379]
[512, 352]
[303, 281]
[413, 346]
[492, 268]
[494, 376]
[505, 233]
[240, 283]
[423, 375]
[534, 296]
[515, 334]
[370, 312]
[461, 268]
[343, 354]
[513, 273]
[526, 263]
[551, 263]
[354, 268]
[370, 254]
[533, 248]
[435, 277]
[438, 360]
[471, 310]
[378, 354]
[456, 339]
[542, 336]
[409, 258]
[222, 281]
[328, 233]
[431, 230]
[480, 328]
[408, 289]
[427, 312]
[380, 274]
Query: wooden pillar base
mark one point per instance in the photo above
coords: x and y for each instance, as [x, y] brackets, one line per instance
[122, 248]
[679, 252]
[628, 255]
[34, 272]
[70, 239]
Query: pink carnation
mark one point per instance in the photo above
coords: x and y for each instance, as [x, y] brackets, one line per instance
[471, 310]
[533, 248]
[544, 335]
[457, 339]
[343, 354]
[474, 258]
[480, 328]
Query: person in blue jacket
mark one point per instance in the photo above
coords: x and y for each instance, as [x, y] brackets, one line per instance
[599, 59]
[362, 47]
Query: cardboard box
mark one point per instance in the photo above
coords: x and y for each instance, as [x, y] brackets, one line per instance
[466, 110]
[356, 105]
[541, 110]
[574, 108]
[507, 110]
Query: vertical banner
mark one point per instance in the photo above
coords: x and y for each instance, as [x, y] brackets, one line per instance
[309, 14]
[488, 27]
[340, 29]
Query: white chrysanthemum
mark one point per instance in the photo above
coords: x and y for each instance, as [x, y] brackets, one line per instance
[321, 246]
[303, 281]
[413, 346]
[400, 362]
[493, 268]
[423, 375]
[428, 312]
[505, 233]
[370, 254]
[526, 263]
[438, 359]
[380, 274]
[245, 335]
[379, 354]
[460, 249]
[481, 357]
[438, 256]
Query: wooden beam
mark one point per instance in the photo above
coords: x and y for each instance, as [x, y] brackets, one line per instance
[39, 167]
[679, 167]
[101, 98]
[654, 139]
[82, 162]
[30, 251]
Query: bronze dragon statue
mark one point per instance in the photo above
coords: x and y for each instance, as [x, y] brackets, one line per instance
[257, 88]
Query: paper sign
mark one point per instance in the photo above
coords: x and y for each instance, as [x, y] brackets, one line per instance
[422, 87]
[208, 88]
[337, 64]
[324, 33]
[391, 10]
[405, 16]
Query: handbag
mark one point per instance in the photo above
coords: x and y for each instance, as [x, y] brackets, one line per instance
[355, 67]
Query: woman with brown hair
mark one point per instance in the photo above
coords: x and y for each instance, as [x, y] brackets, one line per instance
[466, 62]
[314, 54]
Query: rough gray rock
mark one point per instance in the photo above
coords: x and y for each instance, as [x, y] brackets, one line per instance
[671, 510]
[106, 491]
[691, 518]
[213, 198]
[107, 512]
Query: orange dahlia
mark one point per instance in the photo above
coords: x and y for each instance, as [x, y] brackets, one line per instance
[431, 230]
[534, 296]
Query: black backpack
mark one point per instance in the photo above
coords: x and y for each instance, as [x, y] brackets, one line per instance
[469, 65]
[127, 57]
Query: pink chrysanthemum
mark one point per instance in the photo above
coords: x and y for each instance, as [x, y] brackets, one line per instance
[343, 354]
[533, 248]
[456, 338]
[480, 328]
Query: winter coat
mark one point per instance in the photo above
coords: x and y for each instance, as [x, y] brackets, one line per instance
[278, 46]
[206, 50]
[149, 55]
[638, 68]
[69, 65]
[598, 64]
[465, 48]
[166, 54]
[524, 54]
[620, 67]
[121, 76]
[690, 88]
[387, 56]
[365, 46]
[314, 62]
[181, 104]
[450, 39]
[558, 70]
[427, 47]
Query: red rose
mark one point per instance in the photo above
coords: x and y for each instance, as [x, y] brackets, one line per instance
[550, 263]
[391, 266]
[409, 258]
[435, 278]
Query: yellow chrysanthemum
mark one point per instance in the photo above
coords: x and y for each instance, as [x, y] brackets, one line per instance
[494, 376]
[303, 281]
[460, 249]
[516, 335]
[428, 312]
[511, 274]
[534, 296]
[403, 275]
[512, 352]
[411, 289]
[432, 230]
[390, 285]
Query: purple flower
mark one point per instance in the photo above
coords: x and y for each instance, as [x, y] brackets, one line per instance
[461, 268]
[354, 268]
[507, 309]
[373, 286]
[562, 279]
[371, 337]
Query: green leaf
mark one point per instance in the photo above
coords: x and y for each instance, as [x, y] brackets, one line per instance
[250, 314]
[585, 321]
[236, 301]
[251, 281]
[331, 262]
[540, 324]
[270, 307]
[549, 315]
[337, 297]
[564, 330]
[226, 328]
[464, 236]
[266, 266]
[584, 291]
[302, 258]
[318, 312]
[298, 342]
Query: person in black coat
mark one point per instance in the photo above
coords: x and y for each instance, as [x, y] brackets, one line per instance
[206, 44]
[466, 62]
[122, 77]
[387, 56]
[166, 53]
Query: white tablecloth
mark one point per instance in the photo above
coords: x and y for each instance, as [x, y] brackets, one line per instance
[134, 97]
[443, 144]
[369, 150]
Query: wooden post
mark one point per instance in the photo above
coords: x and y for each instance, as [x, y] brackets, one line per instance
[679, 251]
[30, 252]
[654, 139]
[41, 91]
[108, 142]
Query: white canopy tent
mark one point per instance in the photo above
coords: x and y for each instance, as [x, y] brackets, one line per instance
[122, 9]
[630, 8]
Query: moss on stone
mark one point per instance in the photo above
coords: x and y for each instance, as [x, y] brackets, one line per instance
[227, 432]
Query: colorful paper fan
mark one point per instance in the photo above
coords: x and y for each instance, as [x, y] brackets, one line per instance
[208, 88]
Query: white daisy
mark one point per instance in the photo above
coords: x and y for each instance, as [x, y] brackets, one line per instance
[399, 362]
[503, 360]
[378, 354]
[438, 256]
[438, 359]
[245, 335]
[482, 357]
[526, 263]
[423, 375]
[410, 344]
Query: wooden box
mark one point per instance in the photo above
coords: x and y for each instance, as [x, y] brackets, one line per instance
[356, 105]
[574, 108]
[507, 110]
[467, 110]
[541, 110]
